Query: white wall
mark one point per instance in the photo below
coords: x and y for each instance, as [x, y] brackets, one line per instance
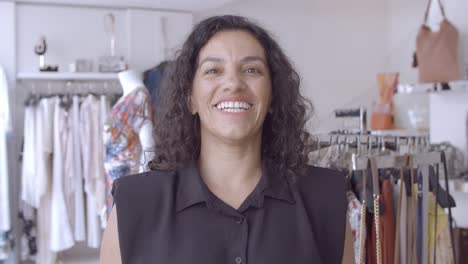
[404, 19]
[7, 33]
[80, 33]
[337, 46]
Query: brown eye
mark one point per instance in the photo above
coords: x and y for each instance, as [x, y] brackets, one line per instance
[212, 71]
[251, 70]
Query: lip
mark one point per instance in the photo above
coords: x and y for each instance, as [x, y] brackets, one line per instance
[232, 113]
[234, 99]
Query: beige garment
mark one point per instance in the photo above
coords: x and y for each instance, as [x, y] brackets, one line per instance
[412, 214]
[348, 254]
[441, 235]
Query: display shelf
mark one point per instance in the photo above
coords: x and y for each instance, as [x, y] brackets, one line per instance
[400, 133]
[67, 76]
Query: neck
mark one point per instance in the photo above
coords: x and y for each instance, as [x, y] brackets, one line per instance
[230, 165]
[130, 80]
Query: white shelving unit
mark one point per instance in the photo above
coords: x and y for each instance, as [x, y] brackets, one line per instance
[67, 76]
[400, 133]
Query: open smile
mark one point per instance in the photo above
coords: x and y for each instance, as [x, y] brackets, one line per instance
[233, 106]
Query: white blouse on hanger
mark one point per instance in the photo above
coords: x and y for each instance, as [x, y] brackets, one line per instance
[74, 170]
[44, 254]
[61, 233]
[94, 179]
[5, 127]
[28, 174]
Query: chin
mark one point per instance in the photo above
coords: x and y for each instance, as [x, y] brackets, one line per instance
[235, 136]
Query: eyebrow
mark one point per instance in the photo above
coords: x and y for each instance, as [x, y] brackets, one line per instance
[254, 58]
[210, 59]
[245, 59]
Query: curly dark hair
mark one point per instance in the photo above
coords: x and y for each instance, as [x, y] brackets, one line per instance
[177, 131]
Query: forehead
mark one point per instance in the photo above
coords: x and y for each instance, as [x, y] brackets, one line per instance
[235, 43]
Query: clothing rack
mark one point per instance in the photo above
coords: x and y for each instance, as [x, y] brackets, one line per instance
[421, 161]
[71, 116]
[370, 153]
[368, 142]
[61, 87]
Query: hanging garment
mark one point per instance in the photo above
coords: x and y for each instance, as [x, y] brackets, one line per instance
[74, 170]
[5, 127]
[28, 172]
[44, 254]
[92, 169]
[412, 256]
[439, 234]
[28, 238]
[401, 232]
[387, 224]
[153, 79]
[354, 218]
[74, 196]
[103, 213]
[61, 232]
[36, 179]
[99, 177]
[6, 245]
[348, 251]
[123, 147]
[42, 151]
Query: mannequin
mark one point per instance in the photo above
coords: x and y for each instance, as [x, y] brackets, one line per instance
[131, 80]
[128, 133]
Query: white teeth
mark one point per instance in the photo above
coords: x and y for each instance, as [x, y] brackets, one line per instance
[234, 107]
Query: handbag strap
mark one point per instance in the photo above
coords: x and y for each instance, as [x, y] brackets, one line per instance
[362, 230]
[452, 240]
[376, 189]
[441, 6]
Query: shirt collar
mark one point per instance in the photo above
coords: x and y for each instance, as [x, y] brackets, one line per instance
[192, 190]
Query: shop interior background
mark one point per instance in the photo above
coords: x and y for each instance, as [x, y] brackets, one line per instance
[337, 46]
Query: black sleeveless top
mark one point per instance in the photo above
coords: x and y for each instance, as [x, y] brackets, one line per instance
[173, 218]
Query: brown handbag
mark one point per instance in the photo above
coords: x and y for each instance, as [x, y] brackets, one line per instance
[437, 52]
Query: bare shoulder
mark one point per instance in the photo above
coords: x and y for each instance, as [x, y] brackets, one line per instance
[110, 249]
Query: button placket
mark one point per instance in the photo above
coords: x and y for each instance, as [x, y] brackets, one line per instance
[239, 248]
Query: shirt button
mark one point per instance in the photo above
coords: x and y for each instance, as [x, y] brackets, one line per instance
[238, 260]
[240, 220]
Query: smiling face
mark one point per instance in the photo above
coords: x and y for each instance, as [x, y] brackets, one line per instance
[232, 87]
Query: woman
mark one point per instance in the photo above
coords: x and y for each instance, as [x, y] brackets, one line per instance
[229, 183]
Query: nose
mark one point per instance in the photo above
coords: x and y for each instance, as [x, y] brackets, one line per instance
[233, 81]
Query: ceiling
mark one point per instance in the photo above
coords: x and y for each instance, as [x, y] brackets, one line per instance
[176, 5]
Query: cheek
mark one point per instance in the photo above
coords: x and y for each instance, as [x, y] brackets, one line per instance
[266, 95]
[200, 96]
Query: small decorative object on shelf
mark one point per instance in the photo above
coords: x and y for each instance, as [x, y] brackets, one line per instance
[40, 49]
[353, 121]
[383, 109]
[111, 63]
